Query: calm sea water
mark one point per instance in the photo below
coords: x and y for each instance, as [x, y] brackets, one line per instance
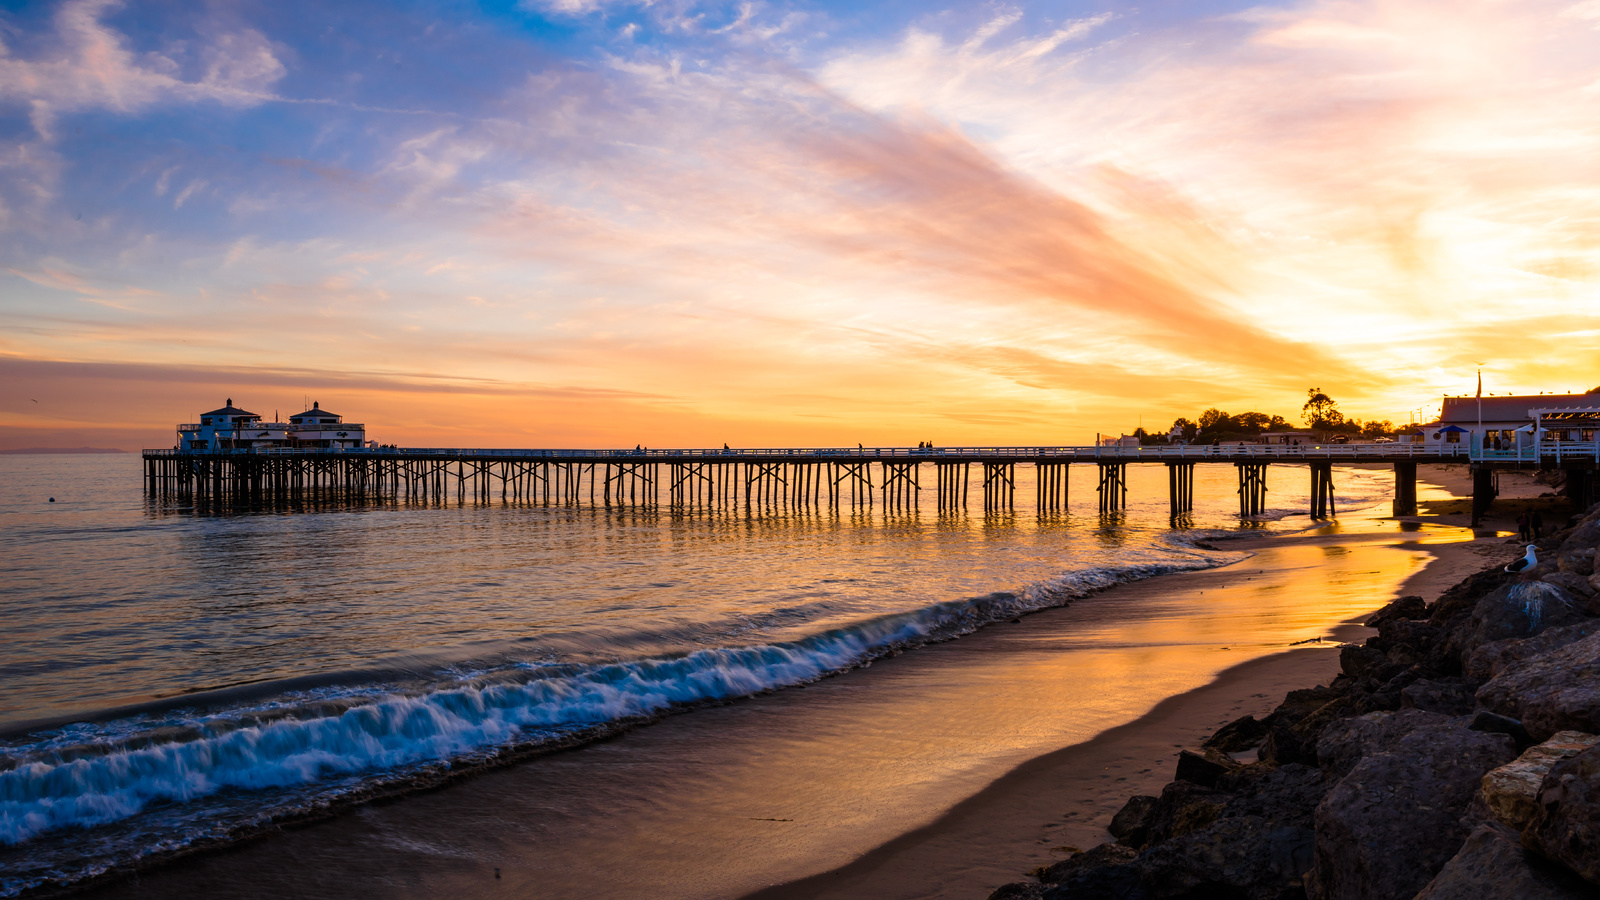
[171, 678]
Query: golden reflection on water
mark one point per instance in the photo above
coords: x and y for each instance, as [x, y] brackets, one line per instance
[726, 800]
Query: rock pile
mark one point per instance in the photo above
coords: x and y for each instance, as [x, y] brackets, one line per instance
[1455, 757]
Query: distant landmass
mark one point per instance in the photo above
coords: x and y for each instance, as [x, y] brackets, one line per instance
[25, 450]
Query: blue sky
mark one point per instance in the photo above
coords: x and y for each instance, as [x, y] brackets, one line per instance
[589, 222]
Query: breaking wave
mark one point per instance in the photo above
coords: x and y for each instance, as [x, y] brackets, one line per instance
[297, 751]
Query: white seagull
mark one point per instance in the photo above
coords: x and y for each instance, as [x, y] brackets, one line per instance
[1525, 563]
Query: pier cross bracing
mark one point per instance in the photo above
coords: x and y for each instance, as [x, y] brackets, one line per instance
[804, 478]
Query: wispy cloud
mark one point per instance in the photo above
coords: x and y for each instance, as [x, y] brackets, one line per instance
[985, 223]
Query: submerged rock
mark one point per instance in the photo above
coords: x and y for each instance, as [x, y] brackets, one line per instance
[1491, 864]
[1511, 791]
[1392, 823]
[1566, 827]
[1557, 691]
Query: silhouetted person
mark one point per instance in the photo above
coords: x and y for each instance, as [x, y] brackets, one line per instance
[1538, 524]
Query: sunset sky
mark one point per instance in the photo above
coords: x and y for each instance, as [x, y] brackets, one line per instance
[587, 223]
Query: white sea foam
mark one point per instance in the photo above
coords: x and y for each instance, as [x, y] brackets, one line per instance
[94, 782]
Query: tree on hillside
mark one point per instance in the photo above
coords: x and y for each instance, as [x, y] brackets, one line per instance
[1278, 423]
[1214, 419]
[1377, 429]
[1185, 427]
[1321, 411]
[1253, 422]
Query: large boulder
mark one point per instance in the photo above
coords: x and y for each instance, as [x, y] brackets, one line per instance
[1519, 610]
[1018, 890]
[1131, 825]
[1573, 583]
[1204, 767]
[1491, 864]
[1101, 883]
[1511, 791]
[1556, 691]
[1238, 856]
[1577, 561]
[1451, 696]
[1461, 598]
[1586, 536]
[1344, 743]
[1242, 733]
[1495, 657]
[1567, 826]
[1183, 807]
[1363, 661]
[1107, 854]
[1281, 795]
[1392, 823]
[1408, 607]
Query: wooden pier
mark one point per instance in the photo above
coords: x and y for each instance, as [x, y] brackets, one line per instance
[800, 478]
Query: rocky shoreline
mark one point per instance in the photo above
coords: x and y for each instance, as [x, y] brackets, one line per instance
[1455, 757]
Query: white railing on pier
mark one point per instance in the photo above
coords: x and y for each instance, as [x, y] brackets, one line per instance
[1150, 453]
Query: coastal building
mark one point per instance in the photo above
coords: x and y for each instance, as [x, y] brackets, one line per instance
[1522, 421]
[232, 428]
[317, 427]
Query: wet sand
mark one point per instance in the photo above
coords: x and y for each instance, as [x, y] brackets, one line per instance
[947, 760]
[1048, 807]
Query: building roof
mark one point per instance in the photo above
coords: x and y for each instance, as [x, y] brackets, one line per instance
[230, 410]
[1510, 409]
[315, 410]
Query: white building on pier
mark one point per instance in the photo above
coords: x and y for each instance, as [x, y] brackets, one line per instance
[232, 428]
[1508, 423]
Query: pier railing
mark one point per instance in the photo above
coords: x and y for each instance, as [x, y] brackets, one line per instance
[1152, 453]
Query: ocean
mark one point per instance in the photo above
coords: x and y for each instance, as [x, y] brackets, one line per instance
[173, 679]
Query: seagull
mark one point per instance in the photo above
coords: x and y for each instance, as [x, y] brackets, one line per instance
[1525, 563]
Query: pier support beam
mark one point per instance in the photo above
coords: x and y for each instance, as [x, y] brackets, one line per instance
[1483, 491]
[952, 484]
[1405, 489]
[1050, 487]
[900, 485]
[1322, 490]
[1113, 486]
[1581, 487]
[1180, 488]
[999, 485]
[1252, 489]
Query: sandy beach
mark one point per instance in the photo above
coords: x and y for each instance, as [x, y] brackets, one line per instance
[942, 772]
